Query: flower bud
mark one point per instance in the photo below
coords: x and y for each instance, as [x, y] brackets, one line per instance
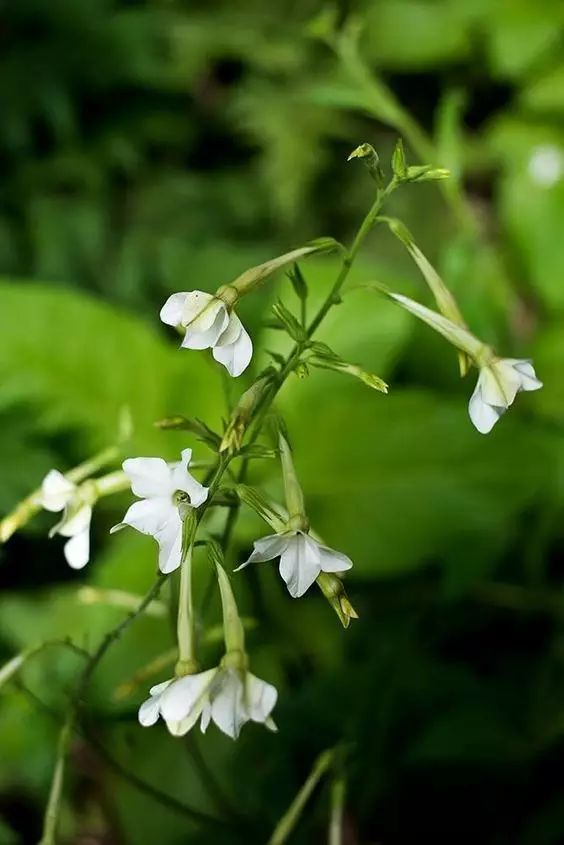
[243, 414]
[332, 588]
[371, 161]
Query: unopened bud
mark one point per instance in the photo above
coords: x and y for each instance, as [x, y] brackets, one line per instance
[332, 588]
[243, 414]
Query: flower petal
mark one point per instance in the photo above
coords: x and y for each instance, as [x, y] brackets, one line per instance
[332, 561]
[185, 695]
[172, 310]
[170, 545]
[228, 709]
[77, 549]
[230, 334]
[149, 477]
[236, 356]
[151, 516]
[75, 522]
[529, 380]
[56, 491]
[500, 384]
[196, 309]
[149, 712]
[267, 548]
[183, 480]
[300, 564]
[483, 415]
[261, 698]
[204, 330]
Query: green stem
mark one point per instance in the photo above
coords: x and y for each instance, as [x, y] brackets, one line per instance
[337, 807]
[52, 811]
[185, 629]
[292, 815]
[53, 808]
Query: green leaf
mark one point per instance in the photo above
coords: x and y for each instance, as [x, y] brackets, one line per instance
[412, 481]
[82, 361]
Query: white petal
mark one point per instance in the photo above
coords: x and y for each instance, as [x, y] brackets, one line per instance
[151, 516]
[261, 698]
[158, 689]
[300, 564]
[170, 545]
[149, 477]
[196, 309]
[235, 357]
[529, 380]
[172, 310]
[483, 416]
[500, 384]
[228, 709]
[206, 717]
[183, 480]
[204, 330]
[76, 522]
[267, 548]
[332, 561]
[186, 695]
[56, 491]
[149, 712]
[181, 728]
[232, 332]
[77, 549]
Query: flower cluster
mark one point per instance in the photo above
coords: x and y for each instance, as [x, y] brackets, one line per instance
[229, 697]
[171, 503]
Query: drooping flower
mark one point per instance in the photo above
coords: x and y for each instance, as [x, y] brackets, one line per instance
[302, 559]
[209, 324]
[228, 696]
[162, 488]
[60, 494]
[499, 382]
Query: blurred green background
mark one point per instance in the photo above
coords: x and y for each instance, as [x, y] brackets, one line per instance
[150, 146]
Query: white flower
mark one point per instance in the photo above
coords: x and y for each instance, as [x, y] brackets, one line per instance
[57, 494]
[209, 324]
[498, 384]
[301, 559]
[161, 486]
[227, 696]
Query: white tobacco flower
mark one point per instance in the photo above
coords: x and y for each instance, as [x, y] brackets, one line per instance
[498, 384]
[227, 696]
[58, 494]
[500, 379]
[161, 488]
[210, 325]
[302, 559]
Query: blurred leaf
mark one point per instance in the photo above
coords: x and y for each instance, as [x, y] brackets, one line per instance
[416, 477]
[415, 33]
[82, 361]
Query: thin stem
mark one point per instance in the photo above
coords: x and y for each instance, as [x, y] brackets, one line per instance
[338, 788]
[52, 811]
[163, 798]
[53, 808]
[185, 627]
[292, 815]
